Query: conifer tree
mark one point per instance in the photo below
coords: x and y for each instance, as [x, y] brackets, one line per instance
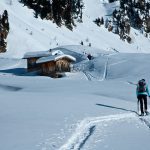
[60, 11]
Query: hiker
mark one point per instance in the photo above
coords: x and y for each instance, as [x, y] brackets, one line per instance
[142, 92]
[89, 56]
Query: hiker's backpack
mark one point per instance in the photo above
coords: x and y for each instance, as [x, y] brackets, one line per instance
[141, 87]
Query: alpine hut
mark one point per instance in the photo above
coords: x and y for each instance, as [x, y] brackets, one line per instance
[32, 57]
[56, 64]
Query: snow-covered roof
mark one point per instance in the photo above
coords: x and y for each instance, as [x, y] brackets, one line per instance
[57, 52]
[55, 58]
[36, 54]
[65, 56]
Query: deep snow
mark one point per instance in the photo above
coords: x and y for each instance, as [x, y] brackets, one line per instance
[93, 107]
[29, 34]
[89, 109]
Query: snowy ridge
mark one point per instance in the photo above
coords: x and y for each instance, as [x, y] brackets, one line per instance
[86, 127]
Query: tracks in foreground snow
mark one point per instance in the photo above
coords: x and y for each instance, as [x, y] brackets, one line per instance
[86, 128]
[145, 121]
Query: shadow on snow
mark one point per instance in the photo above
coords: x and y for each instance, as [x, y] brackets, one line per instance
[142, 119]
[114, 107]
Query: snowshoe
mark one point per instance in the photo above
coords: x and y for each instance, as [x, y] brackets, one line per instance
[146, 113]
[142, 114]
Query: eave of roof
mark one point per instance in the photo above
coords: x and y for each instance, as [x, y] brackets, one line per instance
[55, 58]
[36, 54]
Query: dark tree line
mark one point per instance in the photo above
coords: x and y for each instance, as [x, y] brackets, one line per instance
[99, 21]
[138, 13]
[59, 11]
[4, 29]
[132, 13]
[110, 1]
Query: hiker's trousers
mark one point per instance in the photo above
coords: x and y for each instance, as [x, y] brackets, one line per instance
[143, 102]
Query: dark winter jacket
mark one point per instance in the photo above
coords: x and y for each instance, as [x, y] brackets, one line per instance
[143, 93]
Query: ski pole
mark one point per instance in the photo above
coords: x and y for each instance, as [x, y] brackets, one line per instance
[138, 106]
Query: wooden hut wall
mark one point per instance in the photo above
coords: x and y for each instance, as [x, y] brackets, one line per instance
[63, 65]
[48, 68]
[31, 64]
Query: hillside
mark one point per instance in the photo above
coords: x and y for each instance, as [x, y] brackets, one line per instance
[93, 107]
[30, 34]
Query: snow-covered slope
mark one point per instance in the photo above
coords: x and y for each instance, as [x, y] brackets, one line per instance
[40, 113]
[94, 107]
[30, 34]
